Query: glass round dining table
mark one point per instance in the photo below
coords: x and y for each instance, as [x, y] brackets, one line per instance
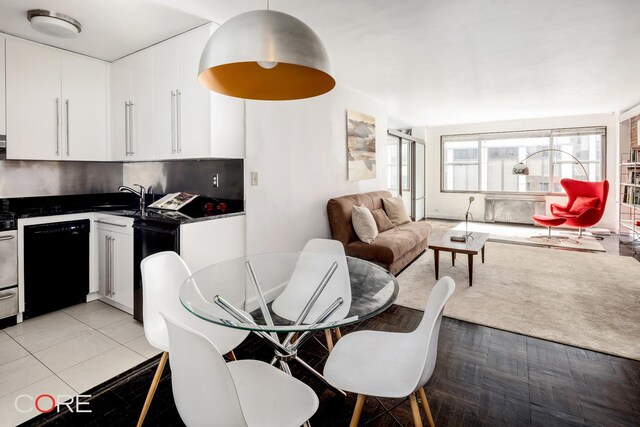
[294, 294]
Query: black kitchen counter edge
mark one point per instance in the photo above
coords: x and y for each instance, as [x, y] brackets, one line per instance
[122, 204]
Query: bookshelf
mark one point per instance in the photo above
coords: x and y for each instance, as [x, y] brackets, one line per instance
[629, 192]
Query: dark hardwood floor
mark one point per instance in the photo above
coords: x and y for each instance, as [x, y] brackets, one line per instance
[483, 377]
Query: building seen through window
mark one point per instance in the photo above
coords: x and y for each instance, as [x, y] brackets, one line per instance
[484, 162]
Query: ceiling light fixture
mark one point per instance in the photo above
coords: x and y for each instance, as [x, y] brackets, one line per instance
[54, 24]
[266, 55]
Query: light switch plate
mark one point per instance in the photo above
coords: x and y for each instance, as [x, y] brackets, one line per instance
[254, 178]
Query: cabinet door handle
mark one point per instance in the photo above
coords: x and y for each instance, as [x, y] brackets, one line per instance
[11, 295]
[110, 223]
[107, 268]
[126, 128]
[111, 257]
[131, 141]
[179, 121]
[57, 125]
[7, 238]
[173, 121]
[67, 110]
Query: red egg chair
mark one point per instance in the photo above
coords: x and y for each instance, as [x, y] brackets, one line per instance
[586, 204]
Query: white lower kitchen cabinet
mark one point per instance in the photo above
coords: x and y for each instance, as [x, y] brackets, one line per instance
[115, 261]
[207, 242]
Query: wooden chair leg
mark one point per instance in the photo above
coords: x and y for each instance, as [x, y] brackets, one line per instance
[355, 418]
[417, 421]
[338, 333]
[232, 356]
[425, 405]
[327, 334]
[152, 389]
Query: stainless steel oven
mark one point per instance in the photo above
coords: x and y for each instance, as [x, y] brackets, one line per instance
[8, 274]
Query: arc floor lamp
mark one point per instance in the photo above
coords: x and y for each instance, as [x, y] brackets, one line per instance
[522, 169]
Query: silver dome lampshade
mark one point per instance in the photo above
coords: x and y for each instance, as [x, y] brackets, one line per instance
[520, 169]
[266, 55]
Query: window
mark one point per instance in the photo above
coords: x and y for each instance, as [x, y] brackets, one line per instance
[484, 162]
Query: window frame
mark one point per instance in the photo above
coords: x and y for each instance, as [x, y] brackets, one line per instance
[481, 136]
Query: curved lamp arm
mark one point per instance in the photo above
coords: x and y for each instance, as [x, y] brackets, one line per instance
[522, 169]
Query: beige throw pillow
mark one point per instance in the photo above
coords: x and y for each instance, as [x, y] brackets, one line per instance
[364, 224]
[394, 207]
[382, 220]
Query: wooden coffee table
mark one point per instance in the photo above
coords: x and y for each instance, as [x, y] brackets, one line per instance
[473, 245]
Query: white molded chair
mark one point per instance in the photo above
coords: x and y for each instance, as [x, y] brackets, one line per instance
[392, 365]
[312, 265]
[162, 275]
[209, 392]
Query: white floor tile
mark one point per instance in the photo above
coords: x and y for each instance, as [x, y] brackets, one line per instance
[97, 370]
[124, 331]
[141, 346]
[51, 385]
[84, 308]
[10, 350]
[65, 355]
[102, 316]
[46, 321]
[59, 330]
[21, 373]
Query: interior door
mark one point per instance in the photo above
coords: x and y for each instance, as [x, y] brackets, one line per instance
[419, 184]
[406, 171]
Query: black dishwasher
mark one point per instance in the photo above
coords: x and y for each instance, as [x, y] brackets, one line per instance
[56, 266]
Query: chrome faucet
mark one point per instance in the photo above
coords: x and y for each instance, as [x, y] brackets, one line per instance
[140, 194]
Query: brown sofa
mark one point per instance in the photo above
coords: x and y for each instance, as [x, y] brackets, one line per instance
[393, 249]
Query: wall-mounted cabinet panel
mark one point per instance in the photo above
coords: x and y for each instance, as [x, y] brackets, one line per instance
[182, 121]
[34, 103]
[56, 104]
[84, 89]
[227, 127]
[132, 107]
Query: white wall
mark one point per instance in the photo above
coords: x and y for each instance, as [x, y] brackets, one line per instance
[299, 150]
[453, 205]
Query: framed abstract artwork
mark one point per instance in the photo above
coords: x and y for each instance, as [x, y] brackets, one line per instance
[361, 146]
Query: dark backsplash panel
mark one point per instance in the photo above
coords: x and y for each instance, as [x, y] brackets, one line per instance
[52, 178]
[44, 178]
[191, 176]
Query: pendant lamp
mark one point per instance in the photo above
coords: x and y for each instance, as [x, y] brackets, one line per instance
[266, 55]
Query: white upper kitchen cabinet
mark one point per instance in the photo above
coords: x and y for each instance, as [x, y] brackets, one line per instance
[182, 115]
[3, 128]
[132, 107]
[33, 102]
[84, 93]
[56, 104]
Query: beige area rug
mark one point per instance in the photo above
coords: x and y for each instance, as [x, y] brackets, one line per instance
[522, 235]
[582, 299]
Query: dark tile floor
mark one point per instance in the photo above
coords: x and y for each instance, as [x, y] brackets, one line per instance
[483, 376]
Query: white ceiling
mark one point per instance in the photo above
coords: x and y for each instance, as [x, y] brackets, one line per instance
[111, 29]
[431, 62]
